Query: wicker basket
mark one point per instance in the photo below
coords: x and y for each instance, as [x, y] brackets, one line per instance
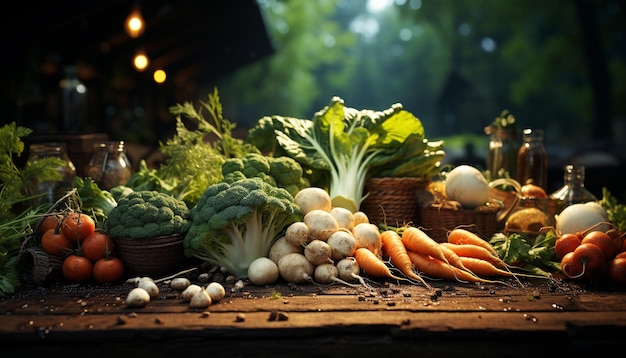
[436, 222]
[392, 201]
[38, 267]
[152, 256]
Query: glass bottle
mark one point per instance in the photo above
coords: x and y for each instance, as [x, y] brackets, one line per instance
[532, 159]
[573, 190]
[503, 148]
[109, 166]
[54, 190]
[74, 101]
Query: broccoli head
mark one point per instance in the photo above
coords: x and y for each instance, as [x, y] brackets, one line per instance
[147, 213]
[235, 223]
[283, 172]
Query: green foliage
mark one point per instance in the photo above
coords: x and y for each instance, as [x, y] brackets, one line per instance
[145, 214]
[235, 223]
[354, 145]
[94, 201]
[538, 258]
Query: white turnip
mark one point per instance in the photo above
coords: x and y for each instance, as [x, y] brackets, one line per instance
[263, 271]
[281, 247]
[149, 286]
[360, 217]
[468, 186]
[321, 224]
[344, 217]
[328, 273]
[348, 269]
[297, 233]
[318, 252]
[582, 217]
[368, 236]
[313, 198]
[342, 243]
[295, 268]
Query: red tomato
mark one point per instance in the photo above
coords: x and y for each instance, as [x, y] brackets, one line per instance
[56, 243]
[77, 269]
[601, 240]
[570, 268]
[592, 260]
[566, 243]
[617, 270]
[77, 226]
[50, 222]
[97, 246]
[108, 269]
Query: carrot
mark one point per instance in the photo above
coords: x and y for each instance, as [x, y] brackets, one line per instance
[417, 240]
[461, 236]
[372, 265]
[479, 252]
[453, 258]
[394, 248]
[435, 268]
[484, 268]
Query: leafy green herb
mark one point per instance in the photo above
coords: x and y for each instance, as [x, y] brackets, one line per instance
[538, 258]
[616, 211]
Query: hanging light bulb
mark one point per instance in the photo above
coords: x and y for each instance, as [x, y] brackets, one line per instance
[134, 24]
[140, 61]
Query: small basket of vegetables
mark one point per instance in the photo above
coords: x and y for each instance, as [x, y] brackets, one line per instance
[465, 199]
[148, 228]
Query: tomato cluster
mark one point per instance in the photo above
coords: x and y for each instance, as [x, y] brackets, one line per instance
[595, 255]
[87, 253]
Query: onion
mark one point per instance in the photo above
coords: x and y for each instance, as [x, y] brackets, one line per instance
[468, 186]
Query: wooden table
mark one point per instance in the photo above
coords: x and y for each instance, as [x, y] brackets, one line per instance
[551, 316]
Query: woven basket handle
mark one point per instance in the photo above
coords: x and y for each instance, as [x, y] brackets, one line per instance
[509, 200]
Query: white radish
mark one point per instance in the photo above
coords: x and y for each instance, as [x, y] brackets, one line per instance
[344, 217]
[318, 252]
[360, 217]
[368, 236]
[342, 243]
[348, 269]
[313, 198]
[137, 297]
[263, 271]
[468, 186]
[328, 273]
[216, 291]
[190, 291]
[321, 224]
[295, 268]
[281, 247]
[297, 233]
[201, 299]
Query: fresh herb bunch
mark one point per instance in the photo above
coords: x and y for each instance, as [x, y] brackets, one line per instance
[538, 258]
[505, 120]
[615, 210]
[195, 154]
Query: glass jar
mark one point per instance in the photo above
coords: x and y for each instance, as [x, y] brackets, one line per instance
[53, 190]
[532, 159]
[573, 190]
[109, 166]
[503, 148]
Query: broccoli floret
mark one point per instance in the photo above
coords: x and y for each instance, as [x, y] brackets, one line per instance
[235, 223]
[284, 172]
[119, 191]
[148, 213]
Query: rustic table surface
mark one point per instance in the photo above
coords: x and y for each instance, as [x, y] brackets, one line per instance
[540, 316]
